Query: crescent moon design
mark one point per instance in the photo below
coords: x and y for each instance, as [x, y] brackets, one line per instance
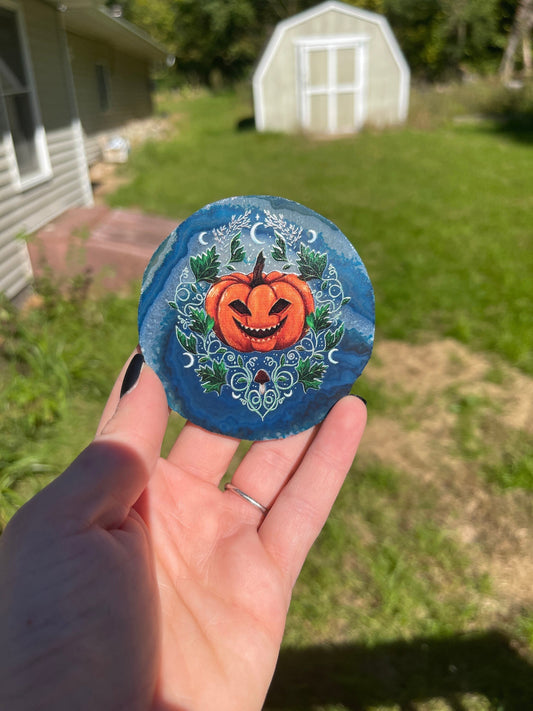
[201, 238]
[252, 233]
[313, 234]
[191, 360]
[331, 360]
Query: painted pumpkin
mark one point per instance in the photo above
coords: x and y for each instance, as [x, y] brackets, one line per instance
[258, 311]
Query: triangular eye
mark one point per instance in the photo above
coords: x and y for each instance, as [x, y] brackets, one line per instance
[240, 307]
[279, 306]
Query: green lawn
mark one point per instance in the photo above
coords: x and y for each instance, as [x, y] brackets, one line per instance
[441, 218]
[393, 612]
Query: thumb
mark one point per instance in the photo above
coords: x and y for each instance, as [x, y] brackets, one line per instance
[108, 477]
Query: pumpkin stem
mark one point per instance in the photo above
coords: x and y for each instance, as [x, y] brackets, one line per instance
[257, 276]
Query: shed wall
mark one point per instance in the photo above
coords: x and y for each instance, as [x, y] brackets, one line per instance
[280, 91]
[129, 90]
[26, 211]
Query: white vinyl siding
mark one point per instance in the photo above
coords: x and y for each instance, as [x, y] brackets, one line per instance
[126, 85]
[68, 185]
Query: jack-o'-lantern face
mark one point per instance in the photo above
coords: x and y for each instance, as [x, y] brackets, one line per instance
[258, 311]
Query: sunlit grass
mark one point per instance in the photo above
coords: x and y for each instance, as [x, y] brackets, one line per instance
[377, 565]
[441, 218]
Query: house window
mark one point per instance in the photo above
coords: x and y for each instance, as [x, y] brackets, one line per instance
[19, 120]
[102, 82]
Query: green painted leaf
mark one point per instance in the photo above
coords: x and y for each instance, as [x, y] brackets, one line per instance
[201, 322]
[311, 263]
[279, 252]
[188, 343]
[345, 301]
[237, 250]
[319, 320]
[333, 338]
[310, 374]
[213, 378]
[173, 304]
[205, 266]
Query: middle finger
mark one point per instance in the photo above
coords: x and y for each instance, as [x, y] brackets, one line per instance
[203, 454]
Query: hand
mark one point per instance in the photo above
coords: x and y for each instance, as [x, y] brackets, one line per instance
[134, 582]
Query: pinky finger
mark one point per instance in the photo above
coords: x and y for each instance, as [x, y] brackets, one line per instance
[303, 505]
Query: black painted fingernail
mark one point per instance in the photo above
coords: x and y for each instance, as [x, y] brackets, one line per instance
[361, 398]
[132, 374]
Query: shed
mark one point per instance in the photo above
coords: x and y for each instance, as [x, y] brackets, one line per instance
[69, 72]
[331, 69]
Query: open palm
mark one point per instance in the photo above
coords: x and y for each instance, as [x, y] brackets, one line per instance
[182, 588]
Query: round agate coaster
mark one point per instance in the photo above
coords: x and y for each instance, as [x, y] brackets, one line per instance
[257, 314]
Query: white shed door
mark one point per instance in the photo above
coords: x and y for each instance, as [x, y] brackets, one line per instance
[332, 76]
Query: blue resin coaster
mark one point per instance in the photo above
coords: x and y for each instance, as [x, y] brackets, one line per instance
[257, 314]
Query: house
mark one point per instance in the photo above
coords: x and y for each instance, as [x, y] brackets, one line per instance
[70, 72]
[330, 70]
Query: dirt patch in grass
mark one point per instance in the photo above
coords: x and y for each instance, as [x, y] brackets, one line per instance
[105, 179]
[456, 412]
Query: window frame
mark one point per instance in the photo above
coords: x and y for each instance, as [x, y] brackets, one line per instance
[43, 172]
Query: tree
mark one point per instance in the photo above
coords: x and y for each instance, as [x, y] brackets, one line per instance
[520, 33]
[156, 17]
[440, 37]
[219, 41]
[215, 39]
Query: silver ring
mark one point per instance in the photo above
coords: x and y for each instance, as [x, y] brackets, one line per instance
[231, 487]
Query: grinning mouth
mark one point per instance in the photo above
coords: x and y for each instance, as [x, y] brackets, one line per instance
[260, 332]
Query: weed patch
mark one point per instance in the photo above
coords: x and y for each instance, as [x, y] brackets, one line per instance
[512, 466]
[58, 361]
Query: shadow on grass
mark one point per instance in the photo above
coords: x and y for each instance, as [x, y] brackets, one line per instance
[512, 113]
[404, 673]
[518, 127]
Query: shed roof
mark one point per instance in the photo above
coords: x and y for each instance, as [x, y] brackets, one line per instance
[88, 18]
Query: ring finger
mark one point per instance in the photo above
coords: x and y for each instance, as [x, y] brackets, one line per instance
[268, 466]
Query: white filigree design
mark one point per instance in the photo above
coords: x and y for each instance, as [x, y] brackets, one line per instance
[289, 231]
[222, 235]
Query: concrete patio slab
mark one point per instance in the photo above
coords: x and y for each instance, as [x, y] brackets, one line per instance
[113, 245]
